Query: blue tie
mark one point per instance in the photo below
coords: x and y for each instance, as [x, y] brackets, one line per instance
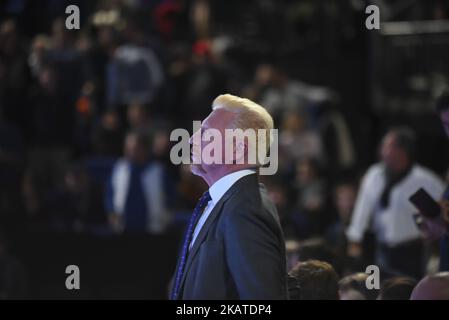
[205, 198]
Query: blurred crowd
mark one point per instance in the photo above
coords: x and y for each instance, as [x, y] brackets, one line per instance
[86, 116]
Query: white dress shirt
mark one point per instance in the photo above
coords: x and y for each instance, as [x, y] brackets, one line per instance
[216, 191]
[394, 224]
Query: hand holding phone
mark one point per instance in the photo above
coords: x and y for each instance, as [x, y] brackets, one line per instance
[426, 205]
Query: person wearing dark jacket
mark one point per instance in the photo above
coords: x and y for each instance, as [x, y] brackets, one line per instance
[234, 246]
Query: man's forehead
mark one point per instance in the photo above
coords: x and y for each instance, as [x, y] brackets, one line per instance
[389, 138]
[217, 117]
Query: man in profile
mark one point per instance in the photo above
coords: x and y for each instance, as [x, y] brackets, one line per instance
[234, 246]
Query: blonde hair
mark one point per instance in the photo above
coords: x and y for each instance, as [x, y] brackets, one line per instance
[249, 115]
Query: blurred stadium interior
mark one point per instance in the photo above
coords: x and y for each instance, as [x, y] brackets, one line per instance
[69, 98]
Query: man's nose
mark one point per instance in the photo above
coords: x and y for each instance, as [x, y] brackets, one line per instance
[193, 136]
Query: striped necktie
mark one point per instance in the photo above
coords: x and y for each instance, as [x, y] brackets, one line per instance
[205, 198]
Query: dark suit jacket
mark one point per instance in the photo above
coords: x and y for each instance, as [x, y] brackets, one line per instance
[240, 250]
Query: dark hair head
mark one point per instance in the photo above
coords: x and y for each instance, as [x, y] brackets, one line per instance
[357, 282]
[397, 288]
[442, 103]
[316, 249]
[405, 139]
[432, 287]
[313, 280]
[142, 138]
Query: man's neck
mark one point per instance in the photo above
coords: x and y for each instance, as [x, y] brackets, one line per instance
[215, 175]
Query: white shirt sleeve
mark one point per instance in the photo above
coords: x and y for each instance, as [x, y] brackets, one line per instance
[364, 206]
[433, 185]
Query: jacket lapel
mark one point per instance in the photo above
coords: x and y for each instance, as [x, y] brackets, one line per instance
[202, 235]
[209, 222]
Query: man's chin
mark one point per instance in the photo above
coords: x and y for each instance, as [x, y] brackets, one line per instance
[197, 170]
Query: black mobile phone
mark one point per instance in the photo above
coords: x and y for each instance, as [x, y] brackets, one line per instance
[426, 205]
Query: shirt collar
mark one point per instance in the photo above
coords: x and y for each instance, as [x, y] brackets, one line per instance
[219, 188]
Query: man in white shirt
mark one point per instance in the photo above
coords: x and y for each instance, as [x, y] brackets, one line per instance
[383, 205]
[217, 190]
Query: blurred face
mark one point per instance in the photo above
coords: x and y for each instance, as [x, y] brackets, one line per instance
[161, 143]
[47, 80]
[59, 33]
[110, 121]
[305, 172]
[444, 116]
[8, 35]
[264, 74]
[137, 115]
[294, 123]
[394, 158]
[277, 195]
[345, 196]
[134, 152]
[105, 37]
[75, 182]
[217, 120]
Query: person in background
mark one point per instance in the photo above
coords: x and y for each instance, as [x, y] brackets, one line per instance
[353, 287]
[383, 200]
[279, 93]
[344, 197]
[397, 288]
[313, 280]
[432, 287]
[86, 208]
[138, 117]
[74, 203]
[135, 196]
[317, 249]
[278, 193]
[310, 190]
[135, 73]
[108, 135]
[438, 228]
[14, 73]
[298, 139]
